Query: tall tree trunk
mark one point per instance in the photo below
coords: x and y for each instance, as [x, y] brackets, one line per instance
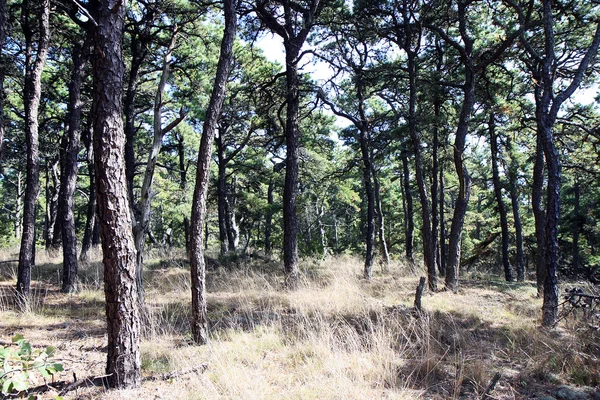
[141, 227]
[197, 262]
[576, 228]
[3, 15]
[426, 229]
[508, 272]
[34, 65]
[80, 55]
[233, 232]
[139, 46]
[269, 217]
[442, 224]
[539, 214]
[88, 233]
[409, 211]
[222, 194]
[464, 182]
[370, 197]
[290, 188]
[514, 199]
[319, 212]
[550, 304]
[381, 222]
[118, 247]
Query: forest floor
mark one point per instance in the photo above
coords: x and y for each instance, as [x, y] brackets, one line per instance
[336, 337]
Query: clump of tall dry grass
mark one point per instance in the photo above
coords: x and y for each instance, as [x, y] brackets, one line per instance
[337, 336]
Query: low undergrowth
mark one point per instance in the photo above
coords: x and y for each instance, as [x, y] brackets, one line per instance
[336, 337]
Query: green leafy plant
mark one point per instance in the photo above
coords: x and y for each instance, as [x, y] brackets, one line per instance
[18, 362]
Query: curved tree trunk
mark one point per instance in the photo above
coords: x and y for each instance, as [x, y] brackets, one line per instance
[142, 226]
[34, 65]
[197, 262]
[80, 56]
[464, 182]
[118, 247]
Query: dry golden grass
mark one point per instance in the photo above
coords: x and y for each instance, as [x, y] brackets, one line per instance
[336, 337]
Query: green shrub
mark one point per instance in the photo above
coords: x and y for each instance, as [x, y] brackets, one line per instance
[20, 361]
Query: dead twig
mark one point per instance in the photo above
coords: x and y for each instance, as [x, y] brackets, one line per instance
[176, 374]
[491, 386]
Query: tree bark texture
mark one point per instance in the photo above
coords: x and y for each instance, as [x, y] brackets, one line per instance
[118, 247]
[508, 271]
[34, 65]
[197, 262]
[222, 194]
[80, 55]
[539, 214]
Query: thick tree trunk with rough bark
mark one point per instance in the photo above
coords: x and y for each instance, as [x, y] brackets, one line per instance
[290, 187]
[120, 286]
[80, 55]
[34, 65]
[508, 271]
[197, 262]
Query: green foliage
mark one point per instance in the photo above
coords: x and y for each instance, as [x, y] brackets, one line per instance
[19, 362]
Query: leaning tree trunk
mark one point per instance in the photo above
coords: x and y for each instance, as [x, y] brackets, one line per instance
[508, 272]
[142, 226]
[34, 65]
[197, 262]
[80, 55]
[118, 247]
